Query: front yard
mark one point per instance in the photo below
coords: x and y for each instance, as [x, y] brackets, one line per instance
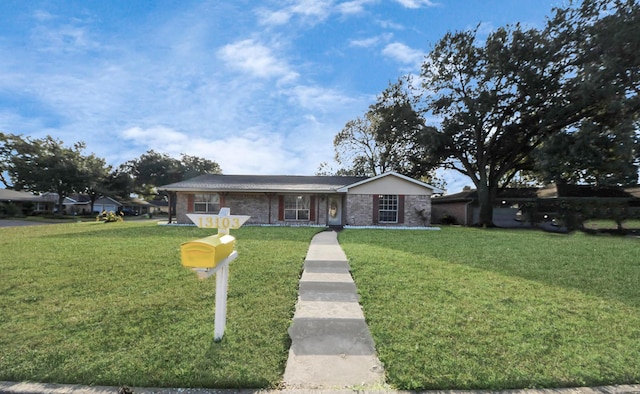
[110, 304]
[495, 309]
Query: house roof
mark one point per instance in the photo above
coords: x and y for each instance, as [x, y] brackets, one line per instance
[13, 195]
[551, 191]
[472, 195]
[386, 174]
[583, 191]
[263, 183]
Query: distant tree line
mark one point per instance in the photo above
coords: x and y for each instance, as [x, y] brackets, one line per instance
[48, 165]
[558, 104]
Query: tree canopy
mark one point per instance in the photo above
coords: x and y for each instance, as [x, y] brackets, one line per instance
[47, 165]
[387, 138]
[153, 169]
[501, 100]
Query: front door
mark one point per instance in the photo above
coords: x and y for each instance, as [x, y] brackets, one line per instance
[334, 215]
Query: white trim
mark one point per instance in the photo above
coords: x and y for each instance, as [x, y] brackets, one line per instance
[345, 189]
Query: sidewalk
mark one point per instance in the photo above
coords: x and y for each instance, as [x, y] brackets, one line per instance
[331, 343]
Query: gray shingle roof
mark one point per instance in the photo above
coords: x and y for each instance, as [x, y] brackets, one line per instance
[263, 183]
[12, 195]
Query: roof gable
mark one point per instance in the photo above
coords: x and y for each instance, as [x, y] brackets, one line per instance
[390, 175]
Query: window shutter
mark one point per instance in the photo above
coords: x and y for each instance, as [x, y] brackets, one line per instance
[312, 208]
[190, 198]
[376, 208]
[401, 208]
[281, 208]
[221, 199]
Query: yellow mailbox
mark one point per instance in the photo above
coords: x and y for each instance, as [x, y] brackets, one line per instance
[207, 252]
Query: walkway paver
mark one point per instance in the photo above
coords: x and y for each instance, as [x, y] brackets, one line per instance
[331, 343]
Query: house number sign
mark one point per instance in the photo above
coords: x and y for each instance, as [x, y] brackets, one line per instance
[224, 221]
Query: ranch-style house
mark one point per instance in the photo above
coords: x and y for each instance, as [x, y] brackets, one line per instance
[389, 199]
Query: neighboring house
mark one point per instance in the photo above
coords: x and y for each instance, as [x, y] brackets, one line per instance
[76, 204]
[389, 199]
[463, 208]
[159, 206]
[27, 202]
[136, 206]
[80, 204]
[106, 204]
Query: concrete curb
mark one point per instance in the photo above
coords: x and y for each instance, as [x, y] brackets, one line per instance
[46, 388]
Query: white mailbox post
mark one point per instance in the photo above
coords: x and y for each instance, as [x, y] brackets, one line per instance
[204, 259]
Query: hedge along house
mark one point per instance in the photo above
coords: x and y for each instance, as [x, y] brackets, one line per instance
[389, 199]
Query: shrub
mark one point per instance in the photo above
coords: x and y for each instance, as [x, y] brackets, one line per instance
[448, 219]
[109, 217]
[9, 210]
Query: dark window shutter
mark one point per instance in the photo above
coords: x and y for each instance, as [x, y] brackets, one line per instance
[401, 208]
[312, 208]
[281, 208]
[221, 200]
[190, 198]
[376, 208]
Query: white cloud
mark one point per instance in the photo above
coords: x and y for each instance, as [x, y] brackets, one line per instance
[318, 98]
[252, 151]
[371, 41]
[309, 11]
[388, 24]
[155, 136]
[279, 17]
[403, 53]
[353, 7]
[256, 59]
[417, 3]
[42, 15]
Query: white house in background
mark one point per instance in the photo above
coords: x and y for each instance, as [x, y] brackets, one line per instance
[389, 199]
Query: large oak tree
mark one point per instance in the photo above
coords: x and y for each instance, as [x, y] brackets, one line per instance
[501, 99]
[46, 165]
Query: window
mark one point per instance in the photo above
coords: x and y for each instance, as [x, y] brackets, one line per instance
[206, 203]
[388, 208]
[296, 207]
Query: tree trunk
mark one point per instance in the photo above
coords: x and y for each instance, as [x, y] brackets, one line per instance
[60, 204]
[486, 195]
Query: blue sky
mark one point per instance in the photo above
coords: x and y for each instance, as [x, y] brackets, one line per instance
[261, 87]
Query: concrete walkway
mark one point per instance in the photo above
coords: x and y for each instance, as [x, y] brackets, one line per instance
[331, 344]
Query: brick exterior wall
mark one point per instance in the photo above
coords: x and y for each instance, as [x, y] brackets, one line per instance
[181, 208]
[255, 205]
[457, 210]
[357, 208]
[417, 211]
[359, 211]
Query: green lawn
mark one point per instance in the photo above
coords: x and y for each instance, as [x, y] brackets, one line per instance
[494, 309]
[110, 304]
